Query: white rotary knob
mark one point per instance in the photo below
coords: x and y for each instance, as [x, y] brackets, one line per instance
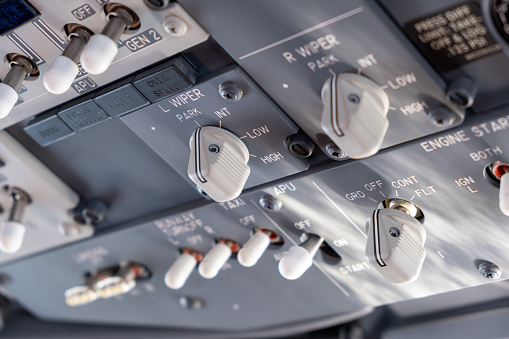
[395, 245]
[218, 163]
[355, 114]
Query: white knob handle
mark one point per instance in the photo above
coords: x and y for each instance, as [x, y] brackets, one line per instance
[355, 114]
[504, 194]
[12, 234]
[98, 54]
[395, 245]
[295, 263]
[218, 163]
[253, 250]
[214, 260]
[8, 98]
[60, 75]
[180, 271]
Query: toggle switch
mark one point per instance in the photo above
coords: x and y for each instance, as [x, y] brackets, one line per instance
[395, 244]
[179, 272]
[12, 231]
[102, 48]
[21, 68]
[355, 114]
[300, 258]
[218, 163]
[217, 257]
[254, 248]
[64, 69]
[496, 173]
[80, 295]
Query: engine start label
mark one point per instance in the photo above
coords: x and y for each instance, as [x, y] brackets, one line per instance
[453, 37]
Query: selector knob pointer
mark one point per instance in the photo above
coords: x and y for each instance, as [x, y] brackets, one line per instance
[355, 114]
[218, 163]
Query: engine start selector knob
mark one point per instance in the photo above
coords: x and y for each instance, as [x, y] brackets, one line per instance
[102, 48]
[395, 244]
[355, 114]
[218, 163]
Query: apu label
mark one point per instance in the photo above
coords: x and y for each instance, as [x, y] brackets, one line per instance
[453, 37]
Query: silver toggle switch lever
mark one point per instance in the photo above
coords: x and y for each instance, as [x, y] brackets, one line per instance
[12, 231]
[21, 68]
[395, 244]
[102, 48]
[300, 258]
[218, 163]
[64, 68]
[355, 114]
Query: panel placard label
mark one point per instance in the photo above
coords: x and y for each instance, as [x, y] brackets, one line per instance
[453, 37]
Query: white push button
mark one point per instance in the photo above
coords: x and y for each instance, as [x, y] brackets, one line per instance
[218, 163]
[180, 271]
[355, 114]
[395, 245]
[214, 260]
[253, 250]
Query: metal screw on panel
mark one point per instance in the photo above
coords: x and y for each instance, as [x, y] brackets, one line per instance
[394, 232]
[174, 26]
[490, 270]
[300, 145]
[190, 303]
[441, 116]
[461, 92]
[214, 149]
[269, 203]
[354, 99]
[230, 92]
[334, 151]
[95, 210]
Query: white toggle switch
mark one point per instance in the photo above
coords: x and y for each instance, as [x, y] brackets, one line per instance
[355, 114]
[64, 69]
[8, 98]
[299, 258]
[21, 68]
[102, 48]
[214, 260]
[12, 234]
[253, 250]
[12, 231]
[181, 269]
[504, 194]
[218, 163]
[395, 245]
